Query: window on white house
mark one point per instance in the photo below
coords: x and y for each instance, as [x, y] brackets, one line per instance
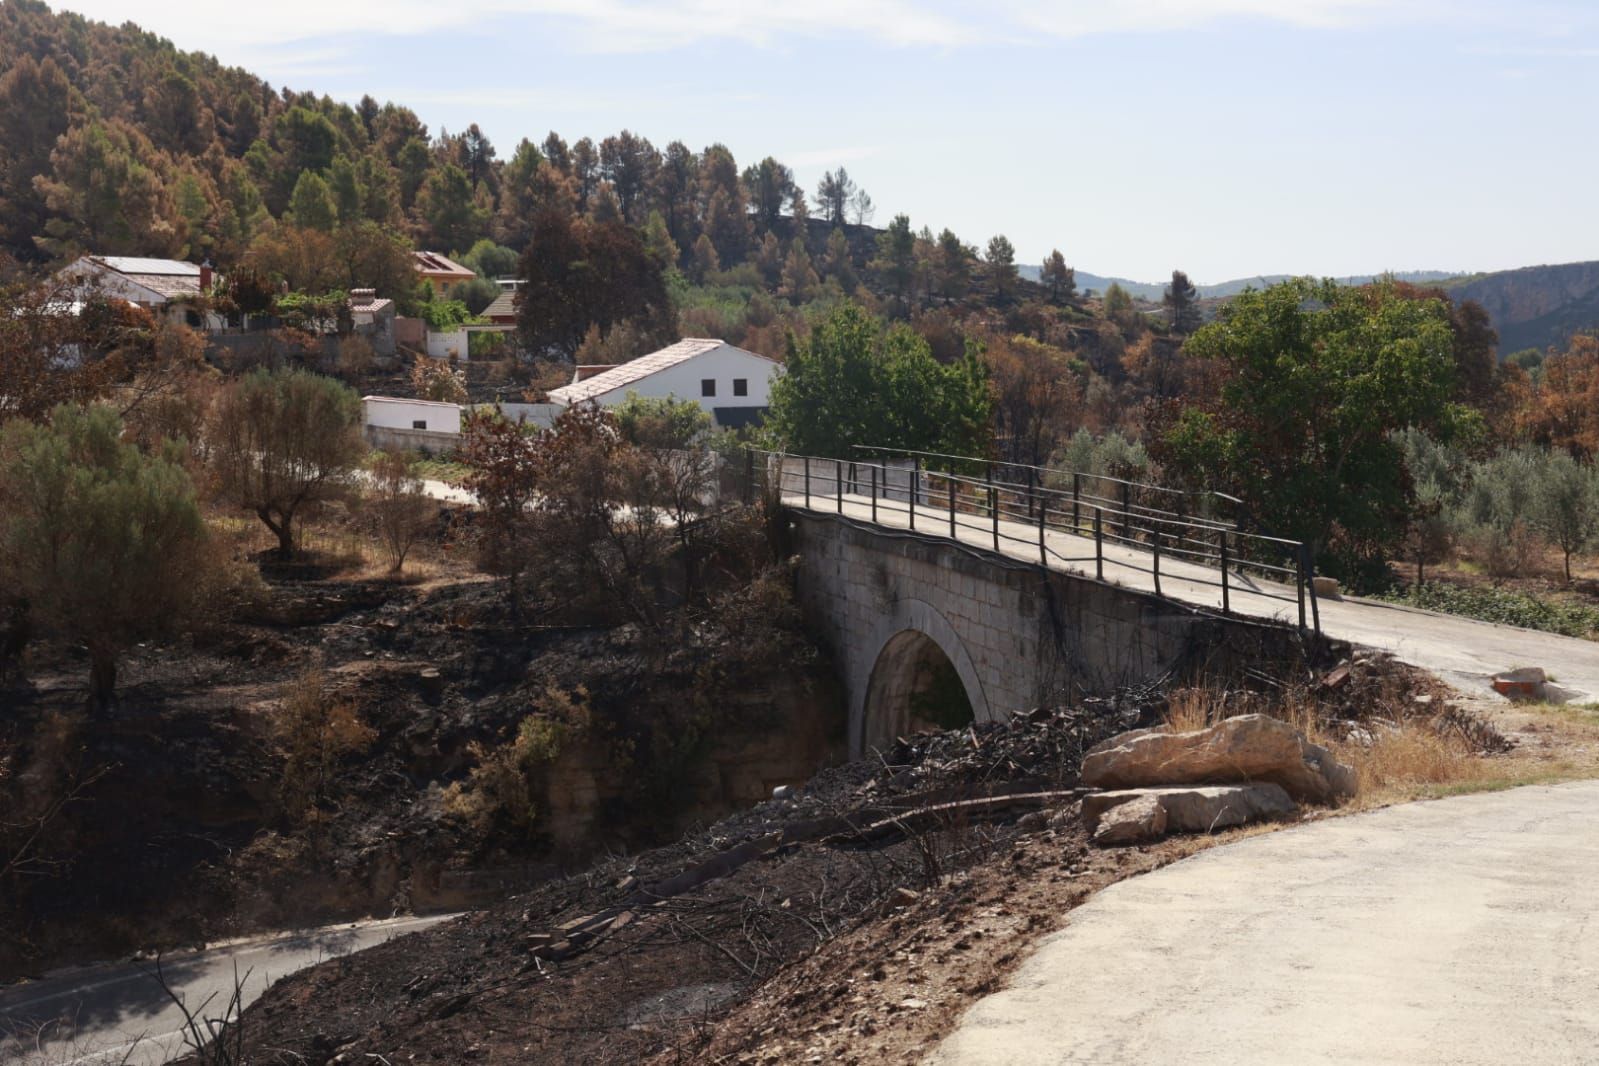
[741, 386]
[708, 387]
[420, 423]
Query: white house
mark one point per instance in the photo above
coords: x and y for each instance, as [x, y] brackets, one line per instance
[392, 412]
[732, 384]
[158, 285]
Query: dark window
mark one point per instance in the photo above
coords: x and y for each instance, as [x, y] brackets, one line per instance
[708, 387]
[741, 386]
[419, 424]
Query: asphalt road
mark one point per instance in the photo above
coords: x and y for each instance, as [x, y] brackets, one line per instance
[1461, 932]
[1462, 651]
[118, 1012]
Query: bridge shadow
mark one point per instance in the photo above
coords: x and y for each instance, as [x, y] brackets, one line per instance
[914, 686]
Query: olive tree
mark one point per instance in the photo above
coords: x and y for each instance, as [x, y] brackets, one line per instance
[1566, 505]
[104, 543]
[284, 439]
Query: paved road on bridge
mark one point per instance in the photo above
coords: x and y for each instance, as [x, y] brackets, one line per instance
[1465, 652]
[1459, 932]
[118, 1013]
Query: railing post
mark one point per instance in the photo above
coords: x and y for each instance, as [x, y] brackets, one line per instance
[993, 505]
[838, 483]
[1043, 552]
[916, 485]
[1225, 605]
[807, 461]
[874, 494]
[1032, 491]
[1310, 578]
[749, 476]
[1154, 537]
[1077, 496]
[1099, 543]
[951, 480]
[1127, 511]
[1299, 566]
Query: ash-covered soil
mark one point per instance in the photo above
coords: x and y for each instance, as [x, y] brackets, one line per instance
[180, 832]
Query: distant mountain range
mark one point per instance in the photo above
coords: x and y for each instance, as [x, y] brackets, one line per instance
[1154, 290]
[1531, 307]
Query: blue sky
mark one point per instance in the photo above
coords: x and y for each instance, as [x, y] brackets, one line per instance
[1226, 137]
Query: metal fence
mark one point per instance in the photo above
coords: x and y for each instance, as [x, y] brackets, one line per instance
[1014, 505]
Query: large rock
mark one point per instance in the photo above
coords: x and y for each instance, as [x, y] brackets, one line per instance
[1249, 748]
[1133, 822]
[1196, 808]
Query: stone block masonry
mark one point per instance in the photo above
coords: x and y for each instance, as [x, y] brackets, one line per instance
[1017, 635]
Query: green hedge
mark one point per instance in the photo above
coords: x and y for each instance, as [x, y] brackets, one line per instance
[1502, 606]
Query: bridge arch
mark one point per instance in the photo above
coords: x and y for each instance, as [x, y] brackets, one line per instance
[911, 640]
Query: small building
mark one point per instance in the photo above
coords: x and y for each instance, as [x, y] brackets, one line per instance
[373, 319]
[732, 384]
[394, 412]
[161, 286]
[502, 312]
[440, 271]
[395, 424]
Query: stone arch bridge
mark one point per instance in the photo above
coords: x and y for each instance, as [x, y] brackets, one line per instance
[994, 604]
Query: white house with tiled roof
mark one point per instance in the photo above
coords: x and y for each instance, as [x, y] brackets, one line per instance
[732, 384]
[158, 285]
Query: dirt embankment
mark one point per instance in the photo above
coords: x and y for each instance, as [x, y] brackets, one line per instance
[198, 817]
[850, 922]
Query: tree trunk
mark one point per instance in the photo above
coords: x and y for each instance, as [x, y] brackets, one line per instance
[1568, 567]
[102, 680]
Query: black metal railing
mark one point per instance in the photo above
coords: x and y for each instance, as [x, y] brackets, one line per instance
[1178, 535]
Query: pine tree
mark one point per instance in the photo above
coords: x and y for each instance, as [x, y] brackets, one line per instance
[1001, 259]
[799, 277]
[1058, 278]
[1182, 313]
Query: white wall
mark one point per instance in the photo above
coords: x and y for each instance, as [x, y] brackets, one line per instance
[542, 415]
[683, 380]
[389, 413]
[442, 345]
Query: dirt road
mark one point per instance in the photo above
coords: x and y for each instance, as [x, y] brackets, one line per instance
[1460, 931]
[118, 1013]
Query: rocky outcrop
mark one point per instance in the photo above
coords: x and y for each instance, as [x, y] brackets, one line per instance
[1194, 808]
[1132, 822]
[1251, 748]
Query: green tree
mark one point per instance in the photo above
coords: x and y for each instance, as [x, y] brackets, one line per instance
[838, 265]
[896, 259]
[1058, 278]
[36, 102]
[853, 382]
[1566, 505]
[771, 185]
[1182, 308]
[799, 277]
[954, 266]
[1319, 379]
[283, 440]
[106, 195]
[1001, 258]
[662, 422]
[105, 543]
[580, 274]
[448, 205]
[312, 206]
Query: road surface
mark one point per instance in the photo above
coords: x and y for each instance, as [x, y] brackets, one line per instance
[1463, 931]
[1462, 651]
[118, 1013]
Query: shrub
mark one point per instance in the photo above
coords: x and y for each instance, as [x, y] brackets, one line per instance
[104, 543]
[1502, 606]
[316, 730]
[399, 511]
